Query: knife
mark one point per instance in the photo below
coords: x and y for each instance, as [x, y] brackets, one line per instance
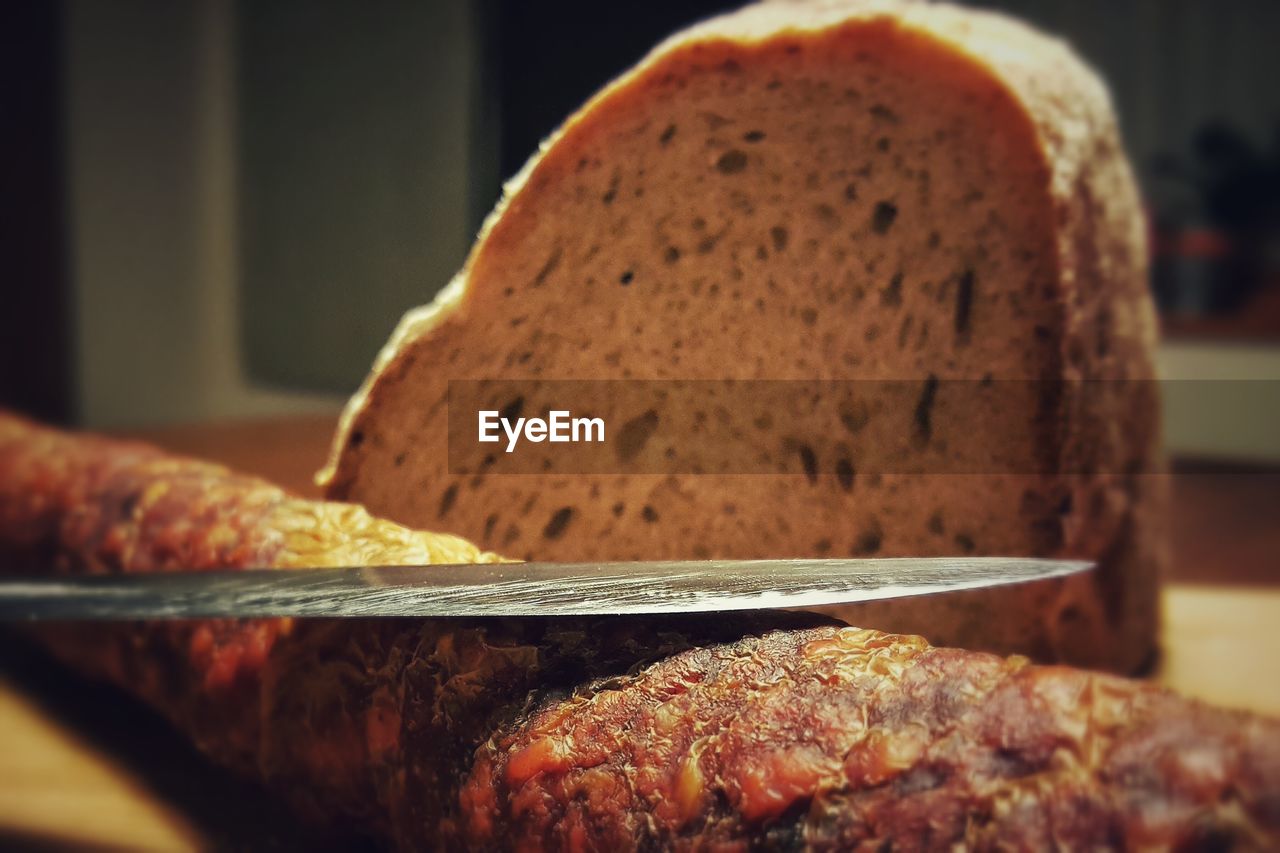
[512, 589]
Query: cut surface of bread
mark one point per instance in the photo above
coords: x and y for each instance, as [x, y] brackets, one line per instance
[829, 191]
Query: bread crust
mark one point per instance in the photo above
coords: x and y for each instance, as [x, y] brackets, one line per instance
[1052, 128]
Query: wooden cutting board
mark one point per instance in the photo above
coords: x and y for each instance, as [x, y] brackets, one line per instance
[60, 787]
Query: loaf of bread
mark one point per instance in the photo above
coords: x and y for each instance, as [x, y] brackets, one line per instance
[846, 191]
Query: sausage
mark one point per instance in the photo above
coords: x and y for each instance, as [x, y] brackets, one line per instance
[775, 730]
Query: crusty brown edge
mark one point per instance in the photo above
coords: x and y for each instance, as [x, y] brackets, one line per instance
[1101, 257]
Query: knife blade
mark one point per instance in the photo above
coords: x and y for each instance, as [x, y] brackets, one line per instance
[511, 589]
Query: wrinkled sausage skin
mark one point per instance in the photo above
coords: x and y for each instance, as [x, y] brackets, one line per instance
[775, 731]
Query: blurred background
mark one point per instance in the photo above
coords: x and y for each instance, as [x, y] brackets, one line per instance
[217, 209]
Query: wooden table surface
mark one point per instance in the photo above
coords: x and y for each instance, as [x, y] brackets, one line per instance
[81, 768]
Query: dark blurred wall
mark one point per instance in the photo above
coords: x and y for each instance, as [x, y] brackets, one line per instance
[151, 117]
[548, 58]
[36, 374]
[357, 150]
[1172, 66]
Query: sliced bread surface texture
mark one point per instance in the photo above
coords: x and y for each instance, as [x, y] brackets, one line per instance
[915, 194]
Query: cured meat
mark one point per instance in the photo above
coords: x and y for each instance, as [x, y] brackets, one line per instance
[775, 731]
